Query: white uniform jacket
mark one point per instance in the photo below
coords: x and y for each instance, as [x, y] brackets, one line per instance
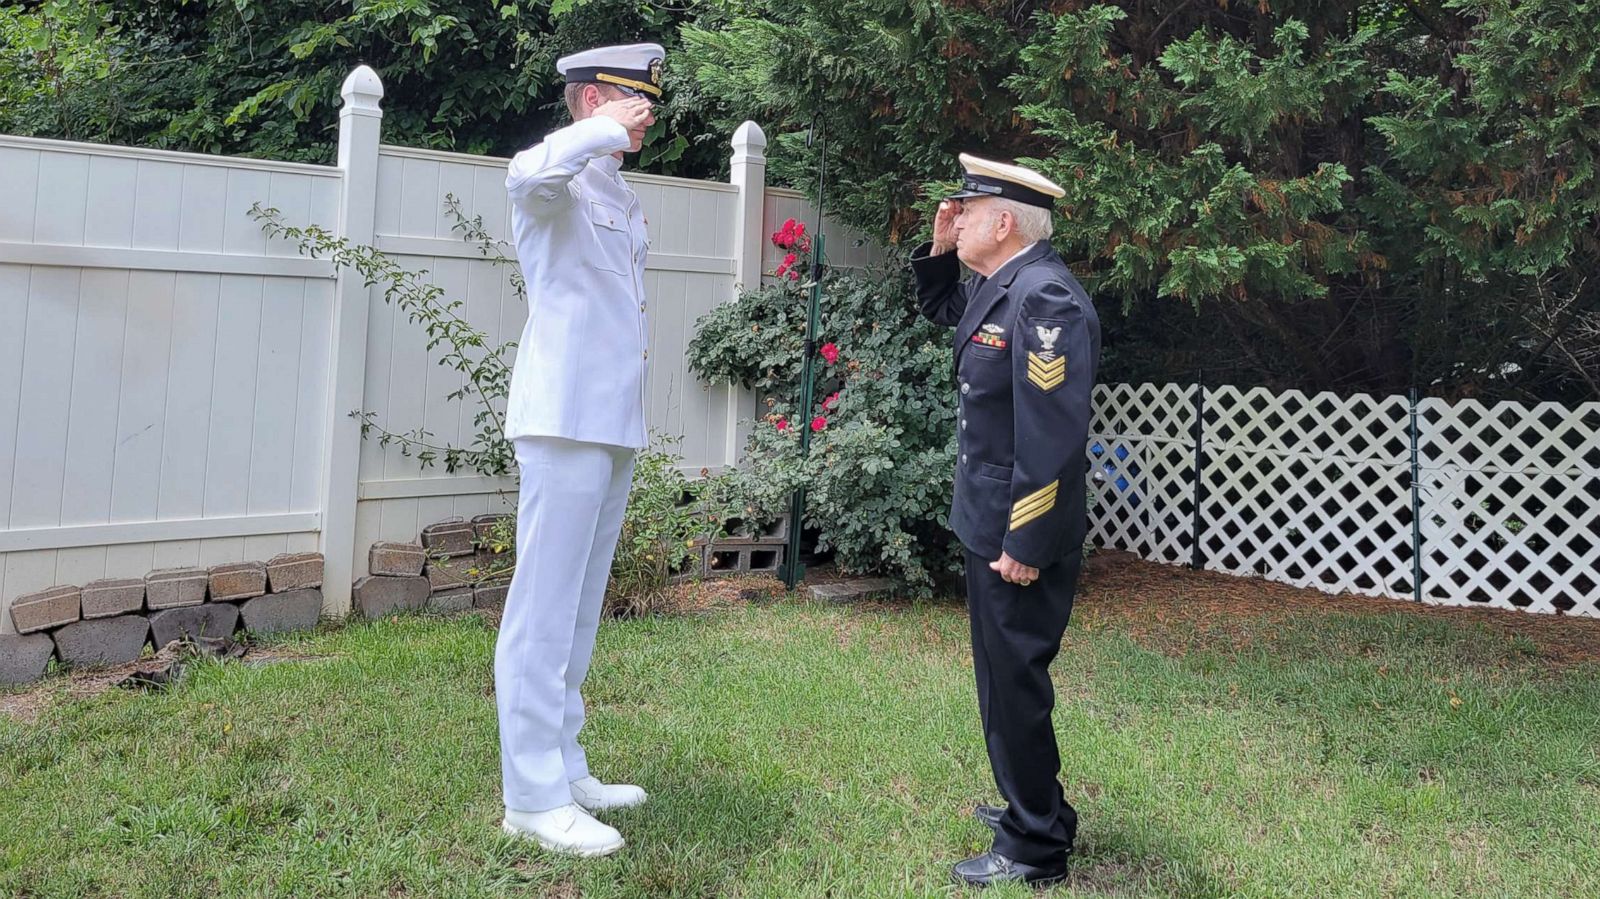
[580, 238]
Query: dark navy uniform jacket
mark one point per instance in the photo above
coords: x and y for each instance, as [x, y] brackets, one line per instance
[1027, 346]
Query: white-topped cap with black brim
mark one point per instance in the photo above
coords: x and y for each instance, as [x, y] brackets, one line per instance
[633, 68]
[987, 178]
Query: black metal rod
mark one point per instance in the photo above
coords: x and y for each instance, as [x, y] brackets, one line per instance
[1416, 502]
[1197, 433]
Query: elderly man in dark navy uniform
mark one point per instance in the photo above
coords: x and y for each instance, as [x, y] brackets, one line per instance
[1027, 344]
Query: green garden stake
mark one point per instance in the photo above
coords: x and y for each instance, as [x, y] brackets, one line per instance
[793, 568]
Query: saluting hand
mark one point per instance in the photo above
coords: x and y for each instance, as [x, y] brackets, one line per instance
[944, 227]
[1015, 572]
[631, 113]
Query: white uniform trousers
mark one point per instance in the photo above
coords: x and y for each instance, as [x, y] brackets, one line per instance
[569, 516]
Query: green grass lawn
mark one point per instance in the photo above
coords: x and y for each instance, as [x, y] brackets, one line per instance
[803, 750]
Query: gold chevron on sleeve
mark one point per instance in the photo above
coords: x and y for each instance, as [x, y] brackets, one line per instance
[1046, 375]
[1033, 505]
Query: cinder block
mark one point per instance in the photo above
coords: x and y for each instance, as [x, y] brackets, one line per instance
[459, 600]
[387, 559]
[483, 525]
[448, 538]
[773, 531]
[238, 580]
[276, 613]
[23, 658]
[494, 568]
[214, 619]
[694, 569]
[113, 596]
[763, 559]
[376, 596]
[103, 641]
[450, 574]
[34, 612]
[723, 560]
[854, 591]
[294, 571]
[172, 588]
[490, 597]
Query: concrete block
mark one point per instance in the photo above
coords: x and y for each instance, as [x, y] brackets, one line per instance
[396, 559]
[483, 525]
[725, 559]
[173, 588]
[773, 531]
[214, 619]
[459, 600]
[33, 612]
[500, 565]
[490, 597]
[103, 641]
[113, 596]
[448, 538]
[276, 613]
[238, 580]
[294, 571]
[854, 591]
[23, 658]
[692, 570]
[450, 574]
[376, 596]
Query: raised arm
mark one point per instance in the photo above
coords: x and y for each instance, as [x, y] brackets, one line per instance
[540, 177]
[940, 293]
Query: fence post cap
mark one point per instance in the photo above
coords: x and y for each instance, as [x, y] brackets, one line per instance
[749, 138]
[362, 89]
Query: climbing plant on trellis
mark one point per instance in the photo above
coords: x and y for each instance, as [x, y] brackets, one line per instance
[1316, 490]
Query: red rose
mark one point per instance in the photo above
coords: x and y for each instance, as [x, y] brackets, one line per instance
[818, 423]
[831, 401]
[782, 424]
[794, 275]
[830, 352]
[781, 269]
[789, 259]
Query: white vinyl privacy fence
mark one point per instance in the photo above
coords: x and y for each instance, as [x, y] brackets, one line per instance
[1459, 503]
[175, 387]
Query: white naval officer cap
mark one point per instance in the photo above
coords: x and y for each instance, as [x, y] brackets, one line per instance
[987, 178]
[635, 68]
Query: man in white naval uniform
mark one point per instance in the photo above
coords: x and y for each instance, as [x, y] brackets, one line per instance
[575, 415]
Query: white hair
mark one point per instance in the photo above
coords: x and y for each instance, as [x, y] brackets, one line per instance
[1034, 223]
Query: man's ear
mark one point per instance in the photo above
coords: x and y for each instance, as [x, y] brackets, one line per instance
[593, 97]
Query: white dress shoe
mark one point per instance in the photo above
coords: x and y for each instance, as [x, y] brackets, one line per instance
[568, 829]
[596, 796]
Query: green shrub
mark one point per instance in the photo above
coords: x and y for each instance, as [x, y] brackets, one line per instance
[879, 475]
[669, 516]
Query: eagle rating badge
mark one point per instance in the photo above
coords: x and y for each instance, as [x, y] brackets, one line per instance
[1047, 369]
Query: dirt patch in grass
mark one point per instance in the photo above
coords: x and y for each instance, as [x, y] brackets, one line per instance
[71, 686]
[1171, 608]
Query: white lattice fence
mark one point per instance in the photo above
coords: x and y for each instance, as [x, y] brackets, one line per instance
[1511, 505]
[1315, 491]
[1309, 490]
[1144, 456]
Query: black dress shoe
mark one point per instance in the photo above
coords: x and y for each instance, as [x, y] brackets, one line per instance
[989, 816]
[992, 867]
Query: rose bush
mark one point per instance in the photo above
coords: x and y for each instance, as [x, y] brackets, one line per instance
[882, 431]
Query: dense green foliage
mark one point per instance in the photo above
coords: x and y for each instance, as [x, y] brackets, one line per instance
[1345, 195]
[261, 77]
